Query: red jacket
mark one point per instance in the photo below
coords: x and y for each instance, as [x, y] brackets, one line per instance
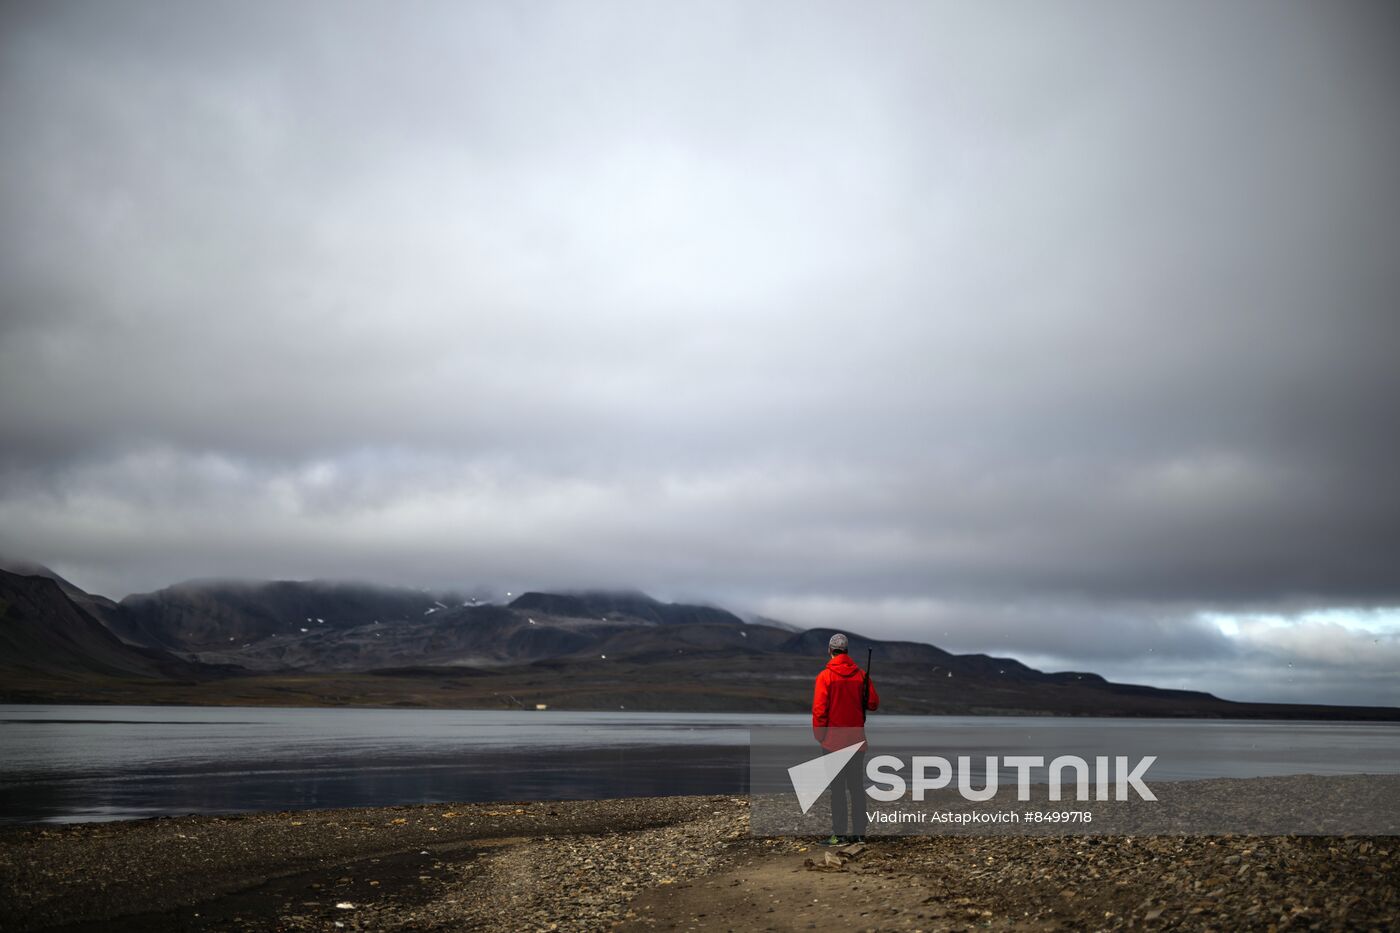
[837, 717]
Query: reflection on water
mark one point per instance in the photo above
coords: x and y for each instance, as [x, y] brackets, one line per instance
[310, 783]
[94, 763]
[63, 763]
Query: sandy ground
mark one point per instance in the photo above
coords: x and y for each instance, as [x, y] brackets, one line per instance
[676, 863]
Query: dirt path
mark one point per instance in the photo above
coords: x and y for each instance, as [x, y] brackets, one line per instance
[776, 891]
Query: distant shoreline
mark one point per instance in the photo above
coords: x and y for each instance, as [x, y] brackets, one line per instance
[1015, 714]
[140, 695]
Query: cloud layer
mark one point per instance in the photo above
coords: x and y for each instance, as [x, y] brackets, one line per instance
[1053, 329]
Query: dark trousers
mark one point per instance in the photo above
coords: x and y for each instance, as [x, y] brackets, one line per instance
[848, 790]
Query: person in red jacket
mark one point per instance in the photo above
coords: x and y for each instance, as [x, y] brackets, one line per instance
[843, 695]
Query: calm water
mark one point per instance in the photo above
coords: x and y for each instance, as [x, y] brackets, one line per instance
[70, 763]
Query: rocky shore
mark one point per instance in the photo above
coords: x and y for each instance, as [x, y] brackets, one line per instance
[673, 863]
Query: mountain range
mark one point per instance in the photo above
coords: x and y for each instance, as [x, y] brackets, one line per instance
[316, 643]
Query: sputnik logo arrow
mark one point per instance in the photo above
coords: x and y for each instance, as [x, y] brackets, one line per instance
[810, 778]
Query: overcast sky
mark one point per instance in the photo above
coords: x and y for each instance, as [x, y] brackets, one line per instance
[1066, 331]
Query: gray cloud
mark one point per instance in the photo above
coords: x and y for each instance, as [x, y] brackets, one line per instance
[1042, 322]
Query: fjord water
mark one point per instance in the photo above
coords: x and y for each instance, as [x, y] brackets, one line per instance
[81, 763]
[76, 763]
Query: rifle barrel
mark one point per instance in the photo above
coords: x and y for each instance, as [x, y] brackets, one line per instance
[865, 684]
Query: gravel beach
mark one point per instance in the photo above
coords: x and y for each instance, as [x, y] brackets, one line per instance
[667, 863]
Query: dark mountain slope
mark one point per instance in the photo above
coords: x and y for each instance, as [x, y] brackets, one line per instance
[813, 642]
[99, 607]
[43, 632]
[695, 642]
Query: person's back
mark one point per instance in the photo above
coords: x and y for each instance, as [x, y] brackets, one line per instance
[842, 695]
[839, 702]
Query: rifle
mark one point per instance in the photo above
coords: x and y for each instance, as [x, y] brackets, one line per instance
[865, 685]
